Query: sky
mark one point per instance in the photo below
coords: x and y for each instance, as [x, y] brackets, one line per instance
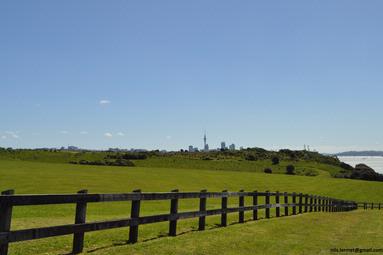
[158, 74]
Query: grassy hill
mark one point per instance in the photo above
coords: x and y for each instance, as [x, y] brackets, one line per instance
[39, 177]
[251, 159]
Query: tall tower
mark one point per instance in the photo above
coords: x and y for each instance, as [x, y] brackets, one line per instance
[205, 145]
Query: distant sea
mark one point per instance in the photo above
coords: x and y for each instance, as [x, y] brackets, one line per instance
[375, 163]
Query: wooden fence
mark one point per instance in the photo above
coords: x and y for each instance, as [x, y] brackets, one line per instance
[370, 205]
[298, 202]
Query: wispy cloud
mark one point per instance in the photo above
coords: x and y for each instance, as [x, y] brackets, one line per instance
[108, 135]
[3, 137]
[84, 133]
[12, 134]
[104, 102]
[168, 137]
[64, 132]
[120, 134]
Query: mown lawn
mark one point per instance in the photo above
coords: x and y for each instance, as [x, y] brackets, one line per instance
[315, 233]
[31, 177]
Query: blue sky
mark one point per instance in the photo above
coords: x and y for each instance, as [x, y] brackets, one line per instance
[156, 74]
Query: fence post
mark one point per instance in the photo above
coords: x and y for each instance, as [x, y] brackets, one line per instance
[323, 204]
[286, 201]
[78, 238]
[294, 202]
[326, 204]
[306, 202]
[311, 203]
[315, 203]
[277, 209]
[202, 208]
[319, 204]
[173, 215]
[224, 207]
[267, 203]
[5, 220]
[300, 202]
[134, 215]
[329, 204]
[255, 203]
[241, 213]
[379, 206]
[372, 206]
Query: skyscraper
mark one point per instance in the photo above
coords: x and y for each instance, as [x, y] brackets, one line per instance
[205, 145]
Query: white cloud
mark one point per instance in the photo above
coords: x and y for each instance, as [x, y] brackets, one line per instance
[3, 137]
[120, 134]
[84, 133]
[109, 135]
[104, 102]
[12, 134]
[64, 132]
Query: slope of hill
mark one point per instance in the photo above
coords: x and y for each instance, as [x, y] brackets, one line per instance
[36, 177]
[251, 159]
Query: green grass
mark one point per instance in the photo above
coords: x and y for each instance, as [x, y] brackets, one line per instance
[302, 167]
[286, 235]
[33, 177]
[306, 163]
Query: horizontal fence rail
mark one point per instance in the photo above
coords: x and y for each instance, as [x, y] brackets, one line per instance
[370, 205]
[298, 202]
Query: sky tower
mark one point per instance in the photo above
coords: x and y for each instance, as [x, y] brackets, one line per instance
[205, 145]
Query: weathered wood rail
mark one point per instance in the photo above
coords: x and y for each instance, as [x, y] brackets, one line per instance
[370, 205]
[298, 202]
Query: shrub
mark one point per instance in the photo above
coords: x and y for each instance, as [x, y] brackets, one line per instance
[250, 157]
[268, 171]
[123, 162]
[290, 169]
[83, 162]
[346, 166]
[275, 160]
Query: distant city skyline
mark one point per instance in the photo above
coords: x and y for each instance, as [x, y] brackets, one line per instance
[155, 75]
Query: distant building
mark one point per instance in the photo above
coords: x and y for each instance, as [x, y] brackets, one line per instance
[223, 146]
[73, 148]
[205, 145]
[232, 147]
[191, 149]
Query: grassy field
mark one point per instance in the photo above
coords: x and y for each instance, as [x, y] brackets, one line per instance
[284, 234]
[305, 163]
